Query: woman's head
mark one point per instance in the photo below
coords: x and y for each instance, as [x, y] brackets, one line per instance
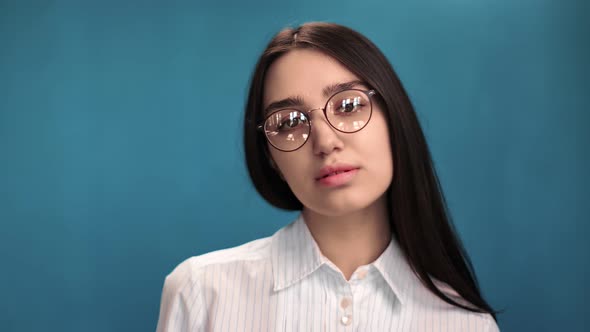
[395, 167]
[314, 81]
[302, 63]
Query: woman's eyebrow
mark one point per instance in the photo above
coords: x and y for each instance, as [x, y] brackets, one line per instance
[297, 101]
[294, 101]
[337, 87]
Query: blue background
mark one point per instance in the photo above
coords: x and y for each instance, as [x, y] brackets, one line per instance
[120, 146]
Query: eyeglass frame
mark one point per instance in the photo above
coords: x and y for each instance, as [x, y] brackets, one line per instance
[370, 93]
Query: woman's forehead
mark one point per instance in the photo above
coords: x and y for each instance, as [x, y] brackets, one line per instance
[304, 73]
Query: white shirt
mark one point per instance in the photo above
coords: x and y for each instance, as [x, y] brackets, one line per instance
[284, 283]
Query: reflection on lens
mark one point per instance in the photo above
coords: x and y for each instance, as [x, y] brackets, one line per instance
[349, 111]
[357, 125]
[341, 125]
[287, 130]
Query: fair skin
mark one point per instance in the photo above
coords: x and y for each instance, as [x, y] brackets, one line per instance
[348, 222]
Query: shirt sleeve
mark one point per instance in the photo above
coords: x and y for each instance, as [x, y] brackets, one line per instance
[182, 307]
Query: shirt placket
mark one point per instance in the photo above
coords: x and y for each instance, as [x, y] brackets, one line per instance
[345, 290]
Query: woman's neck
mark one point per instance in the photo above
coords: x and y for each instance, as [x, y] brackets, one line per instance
[351, 240]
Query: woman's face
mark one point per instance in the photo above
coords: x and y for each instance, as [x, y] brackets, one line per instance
[305, 74]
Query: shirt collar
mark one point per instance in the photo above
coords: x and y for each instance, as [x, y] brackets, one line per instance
[396, 271]
[295, 255]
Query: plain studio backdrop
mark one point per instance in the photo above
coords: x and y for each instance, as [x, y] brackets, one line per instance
[120, 146]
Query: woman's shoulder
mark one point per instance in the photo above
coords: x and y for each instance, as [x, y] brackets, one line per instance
[250, 255]
[199, 278]
[484, 320]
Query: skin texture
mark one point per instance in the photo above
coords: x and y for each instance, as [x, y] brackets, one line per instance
[350, 222]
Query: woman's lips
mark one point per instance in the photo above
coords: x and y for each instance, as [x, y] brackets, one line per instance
[338, 179]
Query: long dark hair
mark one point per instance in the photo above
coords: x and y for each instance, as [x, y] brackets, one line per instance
[418, 212]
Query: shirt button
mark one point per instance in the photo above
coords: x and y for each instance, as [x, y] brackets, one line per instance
[345, 302]
[346, 320]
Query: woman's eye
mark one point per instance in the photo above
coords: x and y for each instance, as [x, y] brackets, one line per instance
[349, 106]
[289, 124]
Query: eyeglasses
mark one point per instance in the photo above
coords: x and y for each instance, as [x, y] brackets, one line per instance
[347, 111]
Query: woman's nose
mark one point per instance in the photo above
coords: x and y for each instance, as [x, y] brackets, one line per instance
[324, 137]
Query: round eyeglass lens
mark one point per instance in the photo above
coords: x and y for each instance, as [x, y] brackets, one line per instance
[349, 111]
[287, 129]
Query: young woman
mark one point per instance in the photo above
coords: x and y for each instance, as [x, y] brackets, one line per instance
[330, 131]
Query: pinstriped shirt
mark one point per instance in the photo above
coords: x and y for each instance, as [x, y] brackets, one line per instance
[284, 283]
